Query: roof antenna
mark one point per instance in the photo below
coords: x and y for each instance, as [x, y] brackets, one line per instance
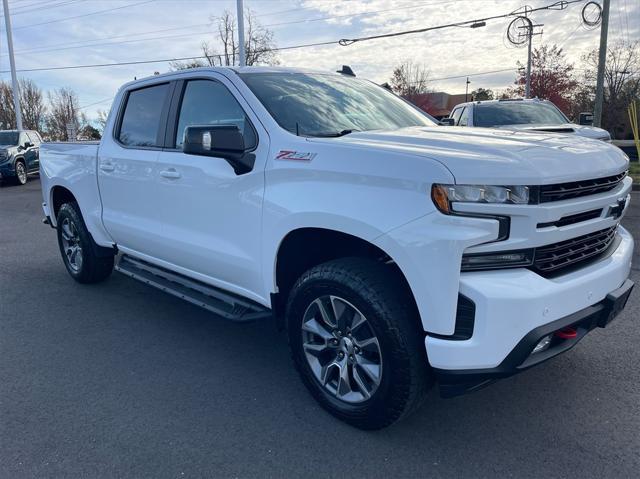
[346, 70]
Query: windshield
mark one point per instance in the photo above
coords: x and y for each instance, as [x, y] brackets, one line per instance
[516, 113]
[8, 138]
[330, 105]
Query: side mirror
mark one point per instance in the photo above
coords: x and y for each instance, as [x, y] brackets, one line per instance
[220, 141]
[28, 144]
[447, 122]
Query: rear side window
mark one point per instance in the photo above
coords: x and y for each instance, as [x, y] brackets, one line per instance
[142, 114]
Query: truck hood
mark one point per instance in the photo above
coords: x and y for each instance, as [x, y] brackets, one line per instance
[495, 156]
[564, 128]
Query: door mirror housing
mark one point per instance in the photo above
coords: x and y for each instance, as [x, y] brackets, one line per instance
[447, 122]
[220, 141]
[28, 144]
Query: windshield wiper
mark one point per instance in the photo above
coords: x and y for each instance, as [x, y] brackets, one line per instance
[335, 135]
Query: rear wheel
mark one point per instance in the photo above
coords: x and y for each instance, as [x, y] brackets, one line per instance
[357, 343]
[21, 172]
[79, 251]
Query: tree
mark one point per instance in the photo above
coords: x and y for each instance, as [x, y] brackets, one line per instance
[482, 94]
[89, 132]
[411, 82]
[31, 104]
[552, 77]
[622, 83]
[259, 44]
[63, 114]
[103, 115]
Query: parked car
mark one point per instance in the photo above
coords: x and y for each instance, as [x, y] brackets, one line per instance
[521, 114]
[19, 154]
[395, 253]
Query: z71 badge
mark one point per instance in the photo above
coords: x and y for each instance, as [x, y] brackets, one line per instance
[295, 155]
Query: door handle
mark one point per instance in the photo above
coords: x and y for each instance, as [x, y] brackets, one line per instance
[107, 166]
[171, 173]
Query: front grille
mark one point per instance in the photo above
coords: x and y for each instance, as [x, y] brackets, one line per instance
[557, 257]
[576, 189]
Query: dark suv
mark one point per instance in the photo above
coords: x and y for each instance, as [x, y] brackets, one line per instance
[19, 154]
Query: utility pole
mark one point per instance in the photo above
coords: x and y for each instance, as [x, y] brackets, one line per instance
[466, 91]
[12, 62]
[527, 87]
[240, 5]
[602, 58]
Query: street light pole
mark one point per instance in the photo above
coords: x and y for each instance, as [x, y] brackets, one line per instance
[466, 91]
[12, 62]
[602, 58]
[240, 6]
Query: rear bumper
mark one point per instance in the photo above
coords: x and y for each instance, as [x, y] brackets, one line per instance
[456, 382]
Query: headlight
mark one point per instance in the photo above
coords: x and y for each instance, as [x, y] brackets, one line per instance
[444, 195]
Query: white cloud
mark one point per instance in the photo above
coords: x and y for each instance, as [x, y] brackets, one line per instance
[448, 52]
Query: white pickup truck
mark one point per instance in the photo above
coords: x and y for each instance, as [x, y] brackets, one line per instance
[396, 253]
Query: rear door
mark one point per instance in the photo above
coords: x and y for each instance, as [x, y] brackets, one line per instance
[211, 215]
[127, 169]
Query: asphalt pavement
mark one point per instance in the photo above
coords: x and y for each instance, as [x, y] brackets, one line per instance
[121, 380]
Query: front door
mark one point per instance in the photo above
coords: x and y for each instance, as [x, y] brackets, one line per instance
[212, 216]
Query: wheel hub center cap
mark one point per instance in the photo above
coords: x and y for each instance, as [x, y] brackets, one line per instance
[347, 345]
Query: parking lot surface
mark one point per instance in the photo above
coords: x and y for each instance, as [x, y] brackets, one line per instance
[121, 380]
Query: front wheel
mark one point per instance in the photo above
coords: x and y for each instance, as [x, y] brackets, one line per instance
[21, 173]
[356, 341]
[79, 252]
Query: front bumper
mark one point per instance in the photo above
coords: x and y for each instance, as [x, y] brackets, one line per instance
[456, 382]
[511, 303]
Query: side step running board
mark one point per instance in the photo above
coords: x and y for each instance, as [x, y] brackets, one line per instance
[222, 303]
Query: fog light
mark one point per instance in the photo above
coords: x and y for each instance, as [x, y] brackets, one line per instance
[543, 344]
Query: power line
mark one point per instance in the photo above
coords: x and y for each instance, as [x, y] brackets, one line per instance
[163, 60]
[560, 5]
[83, 15]
[45, 7]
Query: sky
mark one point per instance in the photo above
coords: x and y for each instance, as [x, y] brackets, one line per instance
[60, 33]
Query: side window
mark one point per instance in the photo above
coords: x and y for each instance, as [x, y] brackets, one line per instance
[455, 114]
[23, 139]
[464, 117]
[208, 102]
[142, 114]
[34, 138]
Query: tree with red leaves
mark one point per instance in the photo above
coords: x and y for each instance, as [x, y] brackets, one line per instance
[552, 77]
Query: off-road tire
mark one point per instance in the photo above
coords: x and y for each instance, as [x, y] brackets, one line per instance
[97, 262]
[380, 294]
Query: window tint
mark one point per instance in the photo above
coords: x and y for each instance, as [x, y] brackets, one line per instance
[464, 117]
[455, 114]
[325, 105]
[207, 102]
[517, 113]
[23, 139]
[142, 114]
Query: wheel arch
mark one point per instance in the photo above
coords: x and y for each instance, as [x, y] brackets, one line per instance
[306, 247]
[59, 196]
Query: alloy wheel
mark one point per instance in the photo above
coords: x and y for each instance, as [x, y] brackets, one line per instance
[71, 244]
[21, 172]
[341, 349]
